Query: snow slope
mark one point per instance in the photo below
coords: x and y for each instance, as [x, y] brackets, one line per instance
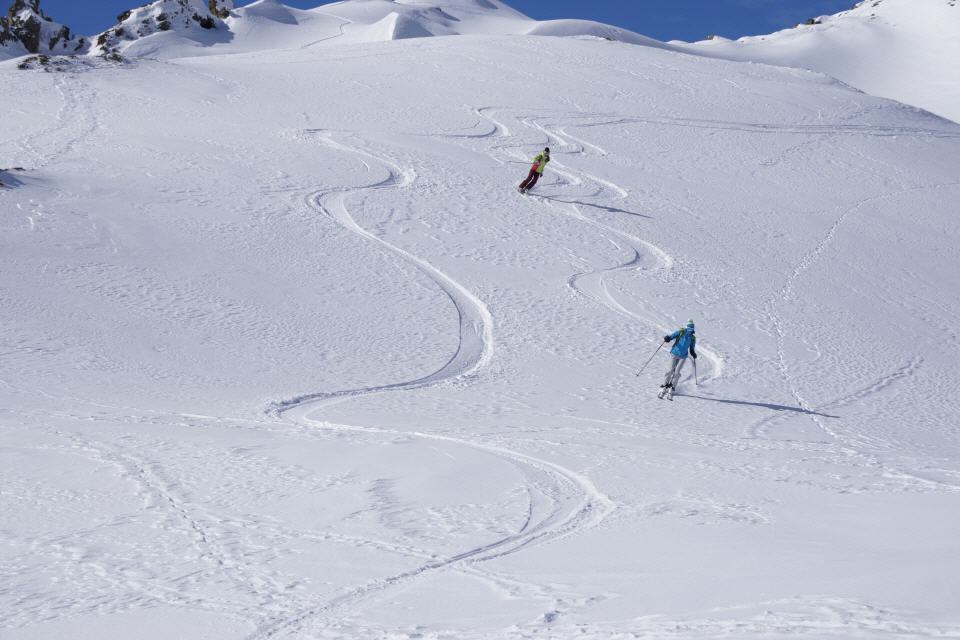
[901, 49]
[285, 355]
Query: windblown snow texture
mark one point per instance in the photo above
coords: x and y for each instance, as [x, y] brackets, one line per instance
[285, 355]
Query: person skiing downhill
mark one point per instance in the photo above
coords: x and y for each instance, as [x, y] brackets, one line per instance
[539, 164]
[685, 342]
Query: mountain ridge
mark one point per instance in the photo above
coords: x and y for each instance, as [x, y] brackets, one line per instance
[183, 28]
[26, 29]
[905, 50]
[890, 48]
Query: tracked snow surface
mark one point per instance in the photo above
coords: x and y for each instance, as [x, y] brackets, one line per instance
[908, 50]
[285, 354]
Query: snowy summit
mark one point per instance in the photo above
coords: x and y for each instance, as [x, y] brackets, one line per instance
[26, 29]
[907, 50]
[287, 353]
[176, 28]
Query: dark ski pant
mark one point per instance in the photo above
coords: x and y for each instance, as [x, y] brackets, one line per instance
[531, 180]
[673, 373]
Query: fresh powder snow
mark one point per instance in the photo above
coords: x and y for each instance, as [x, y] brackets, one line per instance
[286, 355]
[907, 50]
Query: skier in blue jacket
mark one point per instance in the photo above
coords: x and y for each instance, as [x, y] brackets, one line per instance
[685, 342]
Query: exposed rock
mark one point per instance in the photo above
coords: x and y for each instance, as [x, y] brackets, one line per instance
[219, 8]
[63, 35]
[63, 64]
[26, 29]
[206, 22]
[33, 62]
[180, 16]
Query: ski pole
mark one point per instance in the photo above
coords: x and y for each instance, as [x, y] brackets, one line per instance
[696, 378]
[651, 359]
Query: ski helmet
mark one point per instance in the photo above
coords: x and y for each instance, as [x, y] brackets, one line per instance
[689, 324]
[546, 150]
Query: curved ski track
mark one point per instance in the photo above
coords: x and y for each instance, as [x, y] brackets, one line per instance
[593, 284]
[74, 122]
[475, 349]
[569, 503]
[344, 22]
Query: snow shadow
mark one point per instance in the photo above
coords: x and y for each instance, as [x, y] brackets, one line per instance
[597, 206]
[8, 180]
[763, 405]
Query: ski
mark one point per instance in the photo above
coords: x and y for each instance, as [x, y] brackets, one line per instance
[666, 392]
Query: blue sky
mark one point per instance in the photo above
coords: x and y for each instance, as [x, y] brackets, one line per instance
[662, 19]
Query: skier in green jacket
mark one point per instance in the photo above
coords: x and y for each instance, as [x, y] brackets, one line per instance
[539, 164]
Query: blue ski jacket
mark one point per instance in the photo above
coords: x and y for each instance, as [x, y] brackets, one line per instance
[686, 341]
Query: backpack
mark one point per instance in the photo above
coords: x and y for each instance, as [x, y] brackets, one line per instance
[683, 332]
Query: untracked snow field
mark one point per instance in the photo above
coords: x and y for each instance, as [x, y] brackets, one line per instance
[284, 354]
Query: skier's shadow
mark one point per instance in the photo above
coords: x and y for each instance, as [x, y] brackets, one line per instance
[597, 206]
[8, 180]
[764, 405]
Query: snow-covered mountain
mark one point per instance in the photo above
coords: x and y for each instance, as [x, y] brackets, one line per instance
[284, 355]
[907, 50]
[175, 28]
[162, 22]
[900, 49]
[26, 29]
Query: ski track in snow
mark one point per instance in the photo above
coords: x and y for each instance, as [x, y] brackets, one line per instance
[847, 441]
[475, 348]
[812, 129]
[342, 26]
[562, 502]
[592, 284]
[74, 122]
[571, 503]
[212, 547]
[643, 255]
[760, 429]
[821, 617]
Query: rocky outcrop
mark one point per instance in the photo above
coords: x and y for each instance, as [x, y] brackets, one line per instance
[26, 29]
[220, 8]
[181, 16]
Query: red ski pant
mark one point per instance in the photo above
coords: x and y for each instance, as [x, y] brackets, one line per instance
[531, 180]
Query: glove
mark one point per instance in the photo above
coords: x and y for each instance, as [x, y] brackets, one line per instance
[694, 356]
[666, 338]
